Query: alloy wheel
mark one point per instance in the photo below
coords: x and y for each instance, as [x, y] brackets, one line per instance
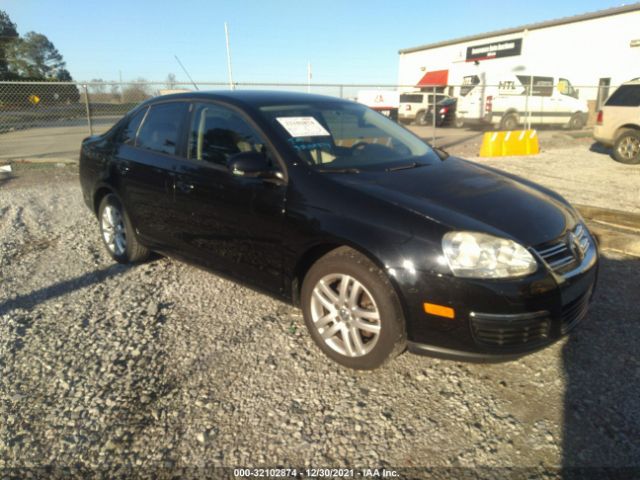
[345, 315]
[629, 147]
[113, 230]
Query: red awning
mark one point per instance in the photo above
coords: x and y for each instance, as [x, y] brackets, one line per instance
[437, 77]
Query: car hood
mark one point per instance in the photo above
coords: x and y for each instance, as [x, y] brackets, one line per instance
[461, 195]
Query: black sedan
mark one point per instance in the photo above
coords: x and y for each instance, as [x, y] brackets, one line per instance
[446, 114]
[384, 242]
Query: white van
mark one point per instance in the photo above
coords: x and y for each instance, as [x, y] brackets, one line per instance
[384, 101]
[503, 100]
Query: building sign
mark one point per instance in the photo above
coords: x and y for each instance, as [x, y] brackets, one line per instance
[488, 51]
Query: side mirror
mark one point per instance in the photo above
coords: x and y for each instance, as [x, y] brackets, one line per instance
[252, 165]
[441, 153]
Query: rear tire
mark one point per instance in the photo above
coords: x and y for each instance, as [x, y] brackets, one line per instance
[352, 311]
[118, 233]
[626, 148]
[577, 121]
[421, 118]
[458, 122]
[509, 122]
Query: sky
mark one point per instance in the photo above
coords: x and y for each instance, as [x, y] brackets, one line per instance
[348, 41]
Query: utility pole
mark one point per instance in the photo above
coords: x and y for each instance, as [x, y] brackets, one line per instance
[226, 34]
[121, 87]
[309, 77]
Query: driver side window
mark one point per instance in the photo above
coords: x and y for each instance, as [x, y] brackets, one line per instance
[216, 133]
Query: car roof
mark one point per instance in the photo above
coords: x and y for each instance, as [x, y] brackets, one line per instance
[253, 98]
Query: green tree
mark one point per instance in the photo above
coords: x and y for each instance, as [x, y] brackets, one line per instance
[8, 34]
[35, 56]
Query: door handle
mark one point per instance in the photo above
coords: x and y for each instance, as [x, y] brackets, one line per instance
[123, 167]
[184, 187]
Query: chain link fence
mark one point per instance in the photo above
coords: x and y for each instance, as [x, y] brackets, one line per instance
[48, 120]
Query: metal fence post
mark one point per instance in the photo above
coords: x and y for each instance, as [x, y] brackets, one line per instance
[530, 93]
[88, 109]
[433, 116]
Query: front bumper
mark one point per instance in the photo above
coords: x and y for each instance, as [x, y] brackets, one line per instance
[499, 320]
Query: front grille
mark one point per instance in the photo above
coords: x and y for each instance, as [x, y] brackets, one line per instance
[510, 330]
[574, 312]
[562, 255]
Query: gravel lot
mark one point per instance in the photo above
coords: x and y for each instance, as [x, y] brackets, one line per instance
[163, 366]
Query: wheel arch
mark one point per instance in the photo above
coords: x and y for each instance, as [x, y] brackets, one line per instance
[319, 250]
[624, 128]
[511, 111]
[101, 192]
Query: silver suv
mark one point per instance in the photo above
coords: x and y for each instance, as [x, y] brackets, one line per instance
[618, 123]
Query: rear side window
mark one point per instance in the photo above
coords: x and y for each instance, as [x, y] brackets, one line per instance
[468, 84]
[128, 133]
[161, 128]
[542, 86]
[625, 96]
[411, 98]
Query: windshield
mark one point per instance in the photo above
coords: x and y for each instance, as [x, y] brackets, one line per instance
[342, 136]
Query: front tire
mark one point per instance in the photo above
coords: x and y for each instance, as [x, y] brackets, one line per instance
[117, 232]
[352, 311]
[458, 122]
[626, 148]
[421, 118]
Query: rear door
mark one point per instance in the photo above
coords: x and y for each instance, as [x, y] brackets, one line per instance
[145, 164]
[231, 223]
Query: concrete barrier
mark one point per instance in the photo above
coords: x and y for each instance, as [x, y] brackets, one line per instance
[516, 142]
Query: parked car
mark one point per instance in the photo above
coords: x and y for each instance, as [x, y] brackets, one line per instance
[618, 123]
[509, 100]
[446, 114]
[414, 105]
[384, 242]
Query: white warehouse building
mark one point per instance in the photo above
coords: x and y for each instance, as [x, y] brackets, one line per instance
[594, 51]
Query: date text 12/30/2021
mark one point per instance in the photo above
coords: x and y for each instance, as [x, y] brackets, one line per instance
[314, 473]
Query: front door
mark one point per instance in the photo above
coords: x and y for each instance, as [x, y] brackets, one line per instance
[232, 223]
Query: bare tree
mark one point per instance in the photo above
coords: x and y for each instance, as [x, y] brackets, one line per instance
[116, 93]
[98, 86]
[171, 81]
[136, 92]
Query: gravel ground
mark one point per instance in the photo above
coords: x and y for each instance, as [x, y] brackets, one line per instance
[164, 366]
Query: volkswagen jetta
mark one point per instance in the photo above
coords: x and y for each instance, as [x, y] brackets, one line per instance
[383, 241]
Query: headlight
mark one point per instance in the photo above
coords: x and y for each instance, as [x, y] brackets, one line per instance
[478, 255]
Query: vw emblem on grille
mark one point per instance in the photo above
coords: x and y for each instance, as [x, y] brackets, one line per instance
[573, 242]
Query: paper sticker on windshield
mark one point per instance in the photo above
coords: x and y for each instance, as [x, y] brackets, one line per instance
[303, 127]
